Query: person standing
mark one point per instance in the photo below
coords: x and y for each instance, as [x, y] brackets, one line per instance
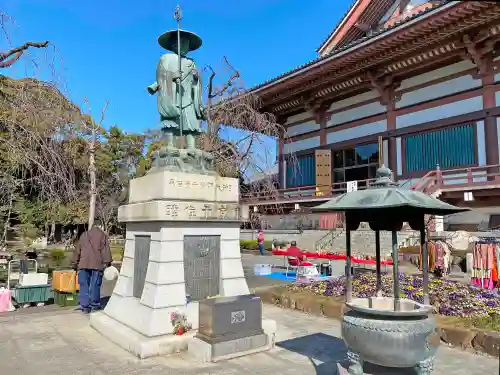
[92, 255]
[260, 241]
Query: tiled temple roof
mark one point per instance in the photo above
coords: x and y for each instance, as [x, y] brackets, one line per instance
[337, 25]
[353, 44]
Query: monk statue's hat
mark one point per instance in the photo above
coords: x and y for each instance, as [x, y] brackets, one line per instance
[168, 40]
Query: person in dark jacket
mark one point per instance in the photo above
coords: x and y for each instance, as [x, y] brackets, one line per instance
[92, 255]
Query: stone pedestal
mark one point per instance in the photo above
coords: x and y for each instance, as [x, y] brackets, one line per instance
[229, 327]
[182, 240]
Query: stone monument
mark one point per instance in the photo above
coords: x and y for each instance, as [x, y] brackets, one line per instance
[182, 224]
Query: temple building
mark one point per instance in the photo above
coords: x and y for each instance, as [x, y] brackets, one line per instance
[412, 84]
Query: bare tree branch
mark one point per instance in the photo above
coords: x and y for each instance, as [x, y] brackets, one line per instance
[226, 86]
[243, 151]
[10, 57]
[94, 134]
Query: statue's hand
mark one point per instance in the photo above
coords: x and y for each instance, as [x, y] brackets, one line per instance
[152, 89]
[175, 75]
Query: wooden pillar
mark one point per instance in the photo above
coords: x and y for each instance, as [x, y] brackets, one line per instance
[322, 132]
[281, 161]
[490, 123]
[386, 87]
[481, 53]
[323, 157]
[391, 125]
[491, 140]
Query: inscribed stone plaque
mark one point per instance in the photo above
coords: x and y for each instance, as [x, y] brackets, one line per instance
[141, 260]
[201, 266]
[184, 186]
[168, 210]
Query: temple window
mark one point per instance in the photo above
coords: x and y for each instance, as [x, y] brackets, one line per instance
[301, 172]
[450, 148]
[355, 163]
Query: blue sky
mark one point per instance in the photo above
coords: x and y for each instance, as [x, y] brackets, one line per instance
[107, 49]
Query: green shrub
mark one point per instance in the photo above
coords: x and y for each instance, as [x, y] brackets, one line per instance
[253, 245]
[57, 256]
[248, 244]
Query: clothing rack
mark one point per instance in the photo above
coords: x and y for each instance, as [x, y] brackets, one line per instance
[446, 239]
[488, 240]
[486, 262]
[439, 255]
[443, 247]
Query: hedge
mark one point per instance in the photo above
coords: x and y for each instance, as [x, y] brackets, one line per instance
[252, 245]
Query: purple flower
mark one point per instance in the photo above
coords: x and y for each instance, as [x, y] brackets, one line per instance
[448, 297]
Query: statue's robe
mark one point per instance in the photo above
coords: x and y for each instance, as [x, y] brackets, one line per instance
[166, 86]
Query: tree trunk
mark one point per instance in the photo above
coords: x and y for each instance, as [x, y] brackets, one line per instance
[52, 237]
[7, 224]
[92, 175]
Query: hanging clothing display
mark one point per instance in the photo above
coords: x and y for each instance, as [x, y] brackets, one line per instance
[431, 250]
[494, 274]
[443, 258]
[439, 249]
[484, 263]
[447, 259]
[439, 258]
[497, 263]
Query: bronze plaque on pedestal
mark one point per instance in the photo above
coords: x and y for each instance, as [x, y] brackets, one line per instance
[201, 266]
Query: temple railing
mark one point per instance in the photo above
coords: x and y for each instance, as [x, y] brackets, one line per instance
[312, 192]
[439, 180]
[431, 183]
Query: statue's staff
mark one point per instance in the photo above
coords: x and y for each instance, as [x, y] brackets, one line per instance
[178, 18]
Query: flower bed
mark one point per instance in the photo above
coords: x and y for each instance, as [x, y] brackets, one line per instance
[449, 298]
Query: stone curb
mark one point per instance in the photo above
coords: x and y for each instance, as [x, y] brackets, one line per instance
[334, 307]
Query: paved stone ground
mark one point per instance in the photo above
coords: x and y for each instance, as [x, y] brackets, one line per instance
[62, 343]
[52, 341]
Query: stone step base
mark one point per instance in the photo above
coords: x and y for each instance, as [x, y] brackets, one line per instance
[215, 352]
[135, 343]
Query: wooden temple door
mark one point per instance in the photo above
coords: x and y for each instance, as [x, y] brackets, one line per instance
[324, 184]
[323, 172]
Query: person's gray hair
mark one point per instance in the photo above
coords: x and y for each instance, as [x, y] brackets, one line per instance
[97, 223]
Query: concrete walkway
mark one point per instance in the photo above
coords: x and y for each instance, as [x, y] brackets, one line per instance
[61, 342]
